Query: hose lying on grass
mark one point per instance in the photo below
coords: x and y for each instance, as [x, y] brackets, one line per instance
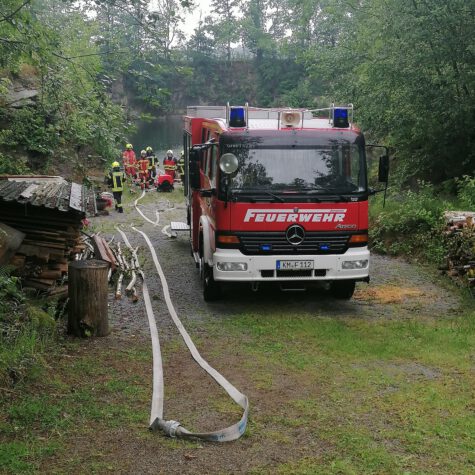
[174, 428]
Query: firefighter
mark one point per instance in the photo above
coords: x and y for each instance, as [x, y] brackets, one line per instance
[116, 181]
[153, 161]
[129, 161]
[169, 164]
[181, 165]
[143, 170]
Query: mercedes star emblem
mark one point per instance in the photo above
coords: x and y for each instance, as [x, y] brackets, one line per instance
[295, 234]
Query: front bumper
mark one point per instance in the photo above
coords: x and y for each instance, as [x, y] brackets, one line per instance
[263, 268]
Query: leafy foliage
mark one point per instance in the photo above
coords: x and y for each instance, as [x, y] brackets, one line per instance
[410, 223]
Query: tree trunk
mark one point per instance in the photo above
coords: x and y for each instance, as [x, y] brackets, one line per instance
[87, 309]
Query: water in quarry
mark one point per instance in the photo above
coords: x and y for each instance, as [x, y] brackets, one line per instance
[162, 134]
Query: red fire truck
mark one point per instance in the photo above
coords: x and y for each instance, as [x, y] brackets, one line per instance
[277, 195]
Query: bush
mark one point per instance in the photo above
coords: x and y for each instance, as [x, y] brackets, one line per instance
[411, 223]
[12, 166]
[25, 333]
[466, 192]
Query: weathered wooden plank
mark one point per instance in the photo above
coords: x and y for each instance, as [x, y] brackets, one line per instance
[75, 198]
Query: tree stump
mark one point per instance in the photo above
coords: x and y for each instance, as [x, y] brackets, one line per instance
[87, 290]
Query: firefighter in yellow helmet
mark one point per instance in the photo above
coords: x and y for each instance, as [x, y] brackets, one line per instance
[116, 180]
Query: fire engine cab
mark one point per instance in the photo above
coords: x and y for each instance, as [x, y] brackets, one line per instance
[277, 195]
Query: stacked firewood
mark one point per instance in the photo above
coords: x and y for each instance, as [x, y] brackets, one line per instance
[460, 243]
[42, 259]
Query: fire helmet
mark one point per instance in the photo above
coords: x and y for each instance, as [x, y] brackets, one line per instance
[129, 146]
[170, 153]
[149, 149]
[115, 165]
[143, 153]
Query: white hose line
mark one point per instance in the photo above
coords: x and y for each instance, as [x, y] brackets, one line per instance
[166, 232]
[157, 388]
[173, 428]
[140, 211]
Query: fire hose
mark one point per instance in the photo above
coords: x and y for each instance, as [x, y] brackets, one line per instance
[173, 428]
[141, 214]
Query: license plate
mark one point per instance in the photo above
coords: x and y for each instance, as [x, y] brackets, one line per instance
[294, 265]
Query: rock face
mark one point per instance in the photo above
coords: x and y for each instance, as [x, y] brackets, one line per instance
[20, 97]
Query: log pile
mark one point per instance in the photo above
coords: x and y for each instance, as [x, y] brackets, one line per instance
[460, 243]
[49, 212]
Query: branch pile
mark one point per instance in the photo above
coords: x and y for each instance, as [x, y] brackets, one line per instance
[124, 264]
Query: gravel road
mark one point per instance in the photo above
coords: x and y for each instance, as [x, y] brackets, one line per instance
[396, 285]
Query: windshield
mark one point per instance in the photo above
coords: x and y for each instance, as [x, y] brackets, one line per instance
[315, 169]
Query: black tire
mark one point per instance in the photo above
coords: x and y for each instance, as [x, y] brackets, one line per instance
[211, 288]
[342, 289]
[165, 186]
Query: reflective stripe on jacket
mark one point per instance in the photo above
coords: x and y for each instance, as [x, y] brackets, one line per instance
[143, 164]
[117, 180]
[169, 165]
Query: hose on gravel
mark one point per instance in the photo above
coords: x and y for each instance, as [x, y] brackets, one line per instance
[173, 428]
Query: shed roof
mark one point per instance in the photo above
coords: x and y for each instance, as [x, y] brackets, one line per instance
[48, 192]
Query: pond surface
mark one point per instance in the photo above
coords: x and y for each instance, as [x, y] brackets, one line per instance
[162, 134]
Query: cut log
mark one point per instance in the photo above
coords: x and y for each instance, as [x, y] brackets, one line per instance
[10, 241]
[87, 315]
[50, 274]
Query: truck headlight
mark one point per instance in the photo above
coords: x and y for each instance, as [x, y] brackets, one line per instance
[361, 264]
[231, 266]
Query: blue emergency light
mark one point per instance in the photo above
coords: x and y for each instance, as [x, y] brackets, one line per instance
[324, 247]
[340, 118]
[266, 247]
[237, 117]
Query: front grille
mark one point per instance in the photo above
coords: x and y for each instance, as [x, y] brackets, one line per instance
[275, 243]
[294, 273]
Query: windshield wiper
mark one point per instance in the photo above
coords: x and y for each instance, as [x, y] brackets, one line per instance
[252, 191]
[318, 190]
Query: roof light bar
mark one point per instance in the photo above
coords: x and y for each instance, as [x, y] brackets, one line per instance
[340, 116]
[237, 116]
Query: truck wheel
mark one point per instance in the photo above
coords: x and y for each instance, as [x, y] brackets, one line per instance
[211, 288]
[342, 289]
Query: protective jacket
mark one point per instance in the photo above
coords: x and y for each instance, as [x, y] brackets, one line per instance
[152, 160]
[116, 180]
[169, 164]
[143, 164]
[130, 162]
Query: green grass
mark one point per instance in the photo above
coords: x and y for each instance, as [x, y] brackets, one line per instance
[100, 391]
[379, 396]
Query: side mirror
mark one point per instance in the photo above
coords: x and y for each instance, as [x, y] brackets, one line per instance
[383, 170]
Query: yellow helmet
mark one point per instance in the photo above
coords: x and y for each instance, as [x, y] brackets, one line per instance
[129, 146]
[149, 149]
[115, 165]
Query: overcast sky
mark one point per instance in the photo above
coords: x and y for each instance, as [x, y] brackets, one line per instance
[191, 21]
